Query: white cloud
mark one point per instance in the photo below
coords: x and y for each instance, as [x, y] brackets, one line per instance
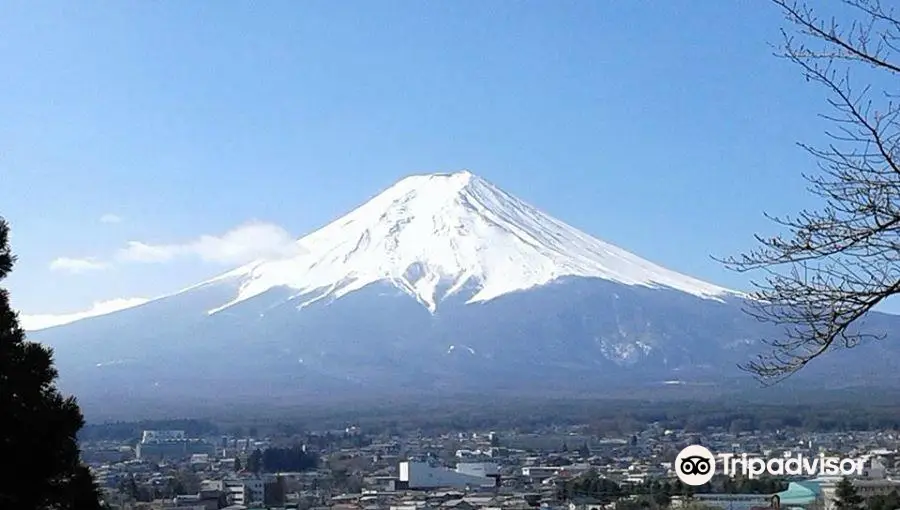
[110, 218]
[77, 265]
[44, 321]
[137, 251]
[242, 244]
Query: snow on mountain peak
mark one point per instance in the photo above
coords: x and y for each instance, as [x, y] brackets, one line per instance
[433, 236]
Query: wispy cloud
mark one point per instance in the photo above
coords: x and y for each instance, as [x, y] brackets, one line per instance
[242, 244]
[239, 245]
[137, 251]
[44, 321]
[73, 265]
[110, 218]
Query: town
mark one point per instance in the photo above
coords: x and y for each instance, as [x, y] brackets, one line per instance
[551, 467]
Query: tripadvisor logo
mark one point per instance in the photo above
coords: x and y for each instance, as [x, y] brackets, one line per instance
[696, 465]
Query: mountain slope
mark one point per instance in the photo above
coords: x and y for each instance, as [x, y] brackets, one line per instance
[441, 283]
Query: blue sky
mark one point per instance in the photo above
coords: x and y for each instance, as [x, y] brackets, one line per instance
[666, 128]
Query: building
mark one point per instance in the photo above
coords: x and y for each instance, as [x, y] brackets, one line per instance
[240, 491]
[539, 473]
[158, 445]
[479, 469]
[156, 436]
[802, 495]
[807, 495]
[732, 501]
[235, 492]
[423, 476]
[205, 500]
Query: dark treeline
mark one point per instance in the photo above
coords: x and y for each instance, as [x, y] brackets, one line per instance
[274, 460]
[603, 417]
[590, 486]
[621, 418]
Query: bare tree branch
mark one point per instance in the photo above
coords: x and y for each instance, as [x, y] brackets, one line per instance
[835, 264]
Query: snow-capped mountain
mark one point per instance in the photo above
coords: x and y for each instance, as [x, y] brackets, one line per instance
[441, 282]
[434, 236]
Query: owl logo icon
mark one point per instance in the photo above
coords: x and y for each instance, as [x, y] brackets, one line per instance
[695, 465]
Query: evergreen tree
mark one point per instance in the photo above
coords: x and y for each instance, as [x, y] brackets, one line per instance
[237, 464]
[128, 487]
[175, 487]
[584, 451]
[38, 426]
[886, 502]
[591, 485]
[846, 497]
[254, 461]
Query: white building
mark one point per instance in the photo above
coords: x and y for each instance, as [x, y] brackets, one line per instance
[538, 473]
[161, 436]
[473, 454]
[479, 469]
[235, 492]
[421, 475]
[157, 445]
[245, 491]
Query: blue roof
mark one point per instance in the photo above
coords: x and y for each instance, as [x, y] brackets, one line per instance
[800, 493]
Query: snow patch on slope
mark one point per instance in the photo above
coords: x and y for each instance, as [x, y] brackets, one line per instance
[43, 321]
[431, 236]
[466, 347]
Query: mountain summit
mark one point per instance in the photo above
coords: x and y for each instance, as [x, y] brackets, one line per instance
[439, 235]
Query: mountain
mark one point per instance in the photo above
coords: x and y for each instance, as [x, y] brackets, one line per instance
[441, 283]
[436, 236]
